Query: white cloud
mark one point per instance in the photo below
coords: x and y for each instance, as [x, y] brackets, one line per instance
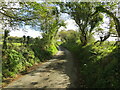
[112, 39]
[33, 33]
[26, 32]
[64, 16]
[70, 25]
[61, 28]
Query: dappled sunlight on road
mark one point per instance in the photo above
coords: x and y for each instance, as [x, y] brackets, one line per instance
[58, 72]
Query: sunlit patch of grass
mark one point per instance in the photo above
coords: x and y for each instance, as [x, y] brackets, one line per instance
[1, 43]
[15, 44]
[18, 44]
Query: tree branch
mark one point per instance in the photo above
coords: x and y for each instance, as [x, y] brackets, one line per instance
[18, 18]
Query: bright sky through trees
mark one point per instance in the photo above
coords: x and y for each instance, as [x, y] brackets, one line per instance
[70, 25]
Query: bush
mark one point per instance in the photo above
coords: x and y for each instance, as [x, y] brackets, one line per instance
[99, 64]
[44, 53]
[14, 60]
[19, 57]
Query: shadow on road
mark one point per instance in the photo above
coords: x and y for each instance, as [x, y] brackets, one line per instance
[57, 72]
[68, 67]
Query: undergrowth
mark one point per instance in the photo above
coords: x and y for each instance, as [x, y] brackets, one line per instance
[99, 64]
[17, 59]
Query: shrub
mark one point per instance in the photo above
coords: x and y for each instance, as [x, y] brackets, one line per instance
[99, 65]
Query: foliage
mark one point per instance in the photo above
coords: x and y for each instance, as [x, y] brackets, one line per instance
[116, 20]
[44, 49]
[99, 65]
[82, 14]
[15, 39]
[18, 58]
[6, 34]
[15, 61]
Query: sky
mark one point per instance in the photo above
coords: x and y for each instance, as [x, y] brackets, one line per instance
[70, 25]
[106, 29]
[27, 32]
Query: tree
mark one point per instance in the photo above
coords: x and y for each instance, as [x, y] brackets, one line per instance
[82, 14]
[28, 40]
[24, 39]
[6, 34]
[63, 34]
[43, 14]
[116, 20]
[68, 36]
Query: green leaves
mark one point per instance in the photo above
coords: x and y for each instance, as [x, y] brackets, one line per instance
[98, 64]
[14, 62]
[82, 14]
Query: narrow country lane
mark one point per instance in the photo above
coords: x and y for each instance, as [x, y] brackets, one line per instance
[58, 72]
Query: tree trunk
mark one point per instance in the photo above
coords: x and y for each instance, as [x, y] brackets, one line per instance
[83, 39]
[5, 39]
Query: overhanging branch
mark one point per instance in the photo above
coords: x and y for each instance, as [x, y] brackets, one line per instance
[18, 18]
